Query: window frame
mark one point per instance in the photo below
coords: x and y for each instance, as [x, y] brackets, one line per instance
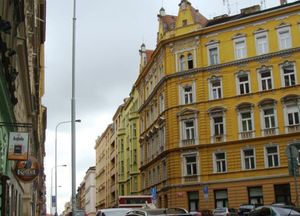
[194, 166]
[243, 157]
[263, 119]
[282, 68]
[221, 161]
[191, 96]
[243, 83]
[240, 52]
[218, 89]
[217, 114]
[284, 29]
[258, 35]
[264, 79]
[266, 156]
[213, 61]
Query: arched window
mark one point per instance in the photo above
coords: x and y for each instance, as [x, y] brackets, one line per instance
[190, 61]
[182, 63]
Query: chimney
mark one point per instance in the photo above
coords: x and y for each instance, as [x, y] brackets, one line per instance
[143, 60]
[162, 12]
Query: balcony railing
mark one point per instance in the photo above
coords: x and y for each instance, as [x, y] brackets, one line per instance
[191, 178]
[188, 142]
[293, 128]
[269, 131]
[246, 134]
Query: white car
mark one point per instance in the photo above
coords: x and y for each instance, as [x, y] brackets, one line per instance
[113, 212]
[273, 211]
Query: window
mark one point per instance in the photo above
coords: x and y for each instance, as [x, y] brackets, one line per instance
[221, 198]
[187, 94]
[243, 83]
[269, 120]
[213, 55]
[282, 194]
[190, 163]
[189, 130]
[184, 22]
[288, 74]
[161, 103]
[266, 79]
[246, 121]
[272, 156]
[248, 159]
[190, 61]
[261, 43]
[182, 63]
[220, 162]
[193, 197]
[217, 122]
[215, 87]
[218, 125]
[255, 195]
[284, 37]
[292, 113]
[240, 48]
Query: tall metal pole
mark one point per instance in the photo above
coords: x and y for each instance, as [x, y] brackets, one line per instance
[73, 132]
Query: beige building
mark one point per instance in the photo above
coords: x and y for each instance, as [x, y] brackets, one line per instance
[22, 37]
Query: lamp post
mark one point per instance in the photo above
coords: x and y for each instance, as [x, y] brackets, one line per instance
[63, 165]
[73, 115]
[60, 123]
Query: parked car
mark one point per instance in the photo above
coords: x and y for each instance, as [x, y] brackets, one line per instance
[245, 209]
[273, 211]
[202, 212]
[225, 212]
[158, 211]
[113, 212]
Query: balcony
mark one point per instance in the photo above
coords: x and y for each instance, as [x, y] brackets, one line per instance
[246, 134]
[269, 131]
[188, 142]
[293, 128]
[191, 178]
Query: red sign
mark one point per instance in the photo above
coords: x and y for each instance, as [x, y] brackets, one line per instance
[27, 170]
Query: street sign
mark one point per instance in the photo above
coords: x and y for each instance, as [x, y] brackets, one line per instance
[291, 151]
[205, 191]
[53, 201]
[153, 193]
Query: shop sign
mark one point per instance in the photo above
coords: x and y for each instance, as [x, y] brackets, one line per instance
[18, 146]
[27, 170]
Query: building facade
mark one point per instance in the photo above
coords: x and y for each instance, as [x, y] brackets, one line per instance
[219, 102]
[22, 37]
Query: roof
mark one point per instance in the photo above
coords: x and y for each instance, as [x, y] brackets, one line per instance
[224, 19]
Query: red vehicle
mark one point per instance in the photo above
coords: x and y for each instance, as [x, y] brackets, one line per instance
[134, 201]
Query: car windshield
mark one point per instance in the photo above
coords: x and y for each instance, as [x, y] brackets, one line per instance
[286, 212]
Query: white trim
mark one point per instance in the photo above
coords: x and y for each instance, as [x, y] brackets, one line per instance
[238, 75]
[183, 162]
[243, 166]
[260, 34]
[260, 79]
[262, 119]
[210, 47]
[243, 40]
[251, 133]
[282, 73]
[266, 158]
[210, 87]
[215, 161]
[284, 29]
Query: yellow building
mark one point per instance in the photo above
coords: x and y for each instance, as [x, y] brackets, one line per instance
[129, 148]
[219, 104]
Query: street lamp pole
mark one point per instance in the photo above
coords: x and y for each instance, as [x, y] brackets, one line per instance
[73, 132]
[55, 159]
[51, 189]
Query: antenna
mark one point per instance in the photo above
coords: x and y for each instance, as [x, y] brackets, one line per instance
[226, 3]
[162, 3]
[263, 4]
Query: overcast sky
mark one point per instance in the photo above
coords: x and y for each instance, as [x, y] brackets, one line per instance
[108, 37]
